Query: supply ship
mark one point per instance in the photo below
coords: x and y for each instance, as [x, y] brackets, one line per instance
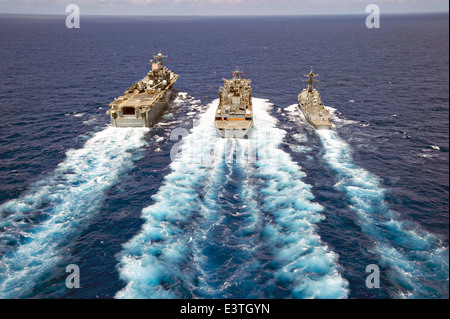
[312, 107]
[144, 101]
[234, 115]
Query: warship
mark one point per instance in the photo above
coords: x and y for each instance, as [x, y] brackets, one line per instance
[234, 115]
[143, 102]
[312, 107]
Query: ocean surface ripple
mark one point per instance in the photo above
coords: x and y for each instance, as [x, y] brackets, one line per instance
[190, 246]
[175, 211]
[34, 227]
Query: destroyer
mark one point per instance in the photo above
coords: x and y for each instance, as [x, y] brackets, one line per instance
[143, 102]
[312, 107]
[234, 115]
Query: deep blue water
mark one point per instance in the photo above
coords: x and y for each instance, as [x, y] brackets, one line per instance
[302, 220]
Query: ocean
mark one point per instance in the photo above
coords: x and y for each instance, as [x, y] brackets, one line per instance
[175, 211]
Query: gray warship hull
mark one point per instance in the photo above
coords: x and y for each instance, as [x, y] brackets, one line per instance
[234, 115]
[313, 110]
[233, 130]
[317, 125]
[130, 105]
[144, 101]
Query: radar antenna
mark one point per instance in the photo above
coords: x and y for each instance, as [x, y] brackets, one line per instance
[158, 59]
[237, 74]
[311, 76]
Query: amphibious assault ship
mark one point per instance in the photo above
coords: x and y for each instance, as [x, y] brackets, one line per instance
[312, 107]
[143, 102]
[234, 115]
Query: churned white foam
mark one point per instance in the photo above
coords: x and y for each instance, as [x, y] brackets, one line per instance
[90, 121]
[293, 108]
[304, 263]
[337, 120]
[161, 254]
[294, 113]
[64, 201]
[181, 97]
[300, 148]
[233, 230]
[417, 260]
[164, 260]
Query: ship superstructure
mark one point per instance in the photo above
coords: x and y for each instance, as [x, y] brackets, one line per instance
[312, 107]
[234, 115]
[143, 102]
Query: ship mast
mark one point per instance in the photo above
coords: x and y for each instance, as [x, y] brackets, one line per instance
[237, 74]
[237, 80]
[311, 76]
[158, 60]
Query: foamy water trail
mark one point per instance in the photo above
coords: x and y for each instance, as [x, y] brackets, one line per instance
[228, 240]
[303, 262]
[417, 260]
[170, 257]
[36, 224]
[160, 257]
